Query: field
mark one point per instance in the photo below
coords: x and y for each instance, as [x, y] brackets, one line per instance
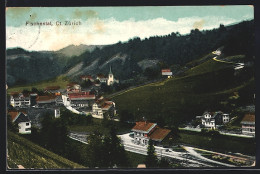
[58, 81]
[29, 155]
[98, 124]
[221, 143]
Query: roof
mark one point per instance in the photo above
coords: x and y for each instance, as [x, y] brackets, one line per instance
[159, 134]
[248, 118]
[46, 98]
[79, 95]
[22, 118]
[101, 76]
[166, 70]
[52, 88]
[143, 126]
[15, 115]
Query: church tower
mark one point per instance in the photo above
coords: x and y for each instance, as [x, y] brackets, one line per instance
[110, 80]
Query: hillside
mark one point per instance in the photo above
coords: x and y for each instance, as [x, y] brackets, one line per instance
[61, 81]
[182, 98]
[29, 155]
[133, 57]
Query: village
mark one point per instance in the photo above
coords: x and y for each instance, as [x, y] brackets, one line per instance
[27, 108]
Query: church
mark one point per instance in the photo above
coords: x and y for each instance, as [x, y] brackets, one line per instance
[111, 80]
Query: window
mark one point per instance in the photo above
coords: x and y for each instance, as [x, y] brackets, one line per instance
[27, 124]
[28, 129]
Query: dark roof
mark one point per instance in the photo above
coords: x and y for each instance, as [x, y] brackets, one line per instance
[14, 114]
[22, 118]
[52, 88]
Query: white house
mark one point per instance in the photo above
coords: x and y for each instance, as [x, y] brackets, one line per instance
[167, 72]
[111, 80]
[248, 124]
[214, 119]
[57, 112]
[145, 131]
[81, 99]
[21, 118]
[102, 106]
[101, 78]
[20, 100]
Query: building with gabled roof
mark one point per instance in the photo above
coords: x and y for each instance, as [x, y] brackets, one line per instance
[86, 78]
[111, 79]
[23, 121]
[46, 100]
[248, 124]
[81, 99]
[214, 119]
[103, 106]
[145, 131]
[20, 99]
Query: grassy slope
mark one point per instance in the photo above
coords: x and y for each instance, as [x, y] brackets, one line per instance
[30, 155]
[221, 143]
[182, 98]
[59, 81]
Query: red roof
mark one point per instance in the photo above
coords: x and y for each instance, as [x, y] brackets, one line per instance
[143, 126]
[81, 95]
[249, 118]
[166, 70]
[86, 76]
[14, 114]
[101, 76]
[45, 98]
[159, 134]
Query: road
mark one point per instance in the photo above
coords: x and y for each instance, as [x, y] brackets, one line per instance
[189, 157]
[237, 65]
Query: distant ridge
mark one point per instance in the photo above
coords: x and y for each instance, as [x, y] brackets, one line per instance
[76, 50]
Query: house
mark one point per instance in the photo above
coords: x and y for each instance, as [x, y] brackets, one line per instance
[73, 87]
[103, 106]
[167, 72]
[248, 124]
[111, 80]
[145, 131]
[56, 112]
[46, 100]
[52, 89]
[23, 121]
[86, 78]
[101, 78]
[81, 99]
[214, 119]
[20, 99]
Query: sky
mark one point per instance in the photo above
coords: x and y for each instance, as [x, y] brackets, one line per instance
[109, 25]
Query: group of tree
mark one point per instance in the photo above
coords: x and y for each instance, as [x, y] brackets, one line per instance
[106, 151]
[152, 161]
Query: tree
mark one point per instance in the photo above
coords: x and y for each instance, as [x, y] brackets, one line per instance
[115, 152]
[151, 158]
[96, 150]
[10, 125]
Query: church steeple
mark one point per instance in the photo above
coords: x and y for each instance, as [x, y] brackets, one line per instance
[110, 71]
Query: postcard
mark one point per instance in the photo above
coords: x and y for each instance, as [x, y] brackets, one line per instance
[126, 87]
